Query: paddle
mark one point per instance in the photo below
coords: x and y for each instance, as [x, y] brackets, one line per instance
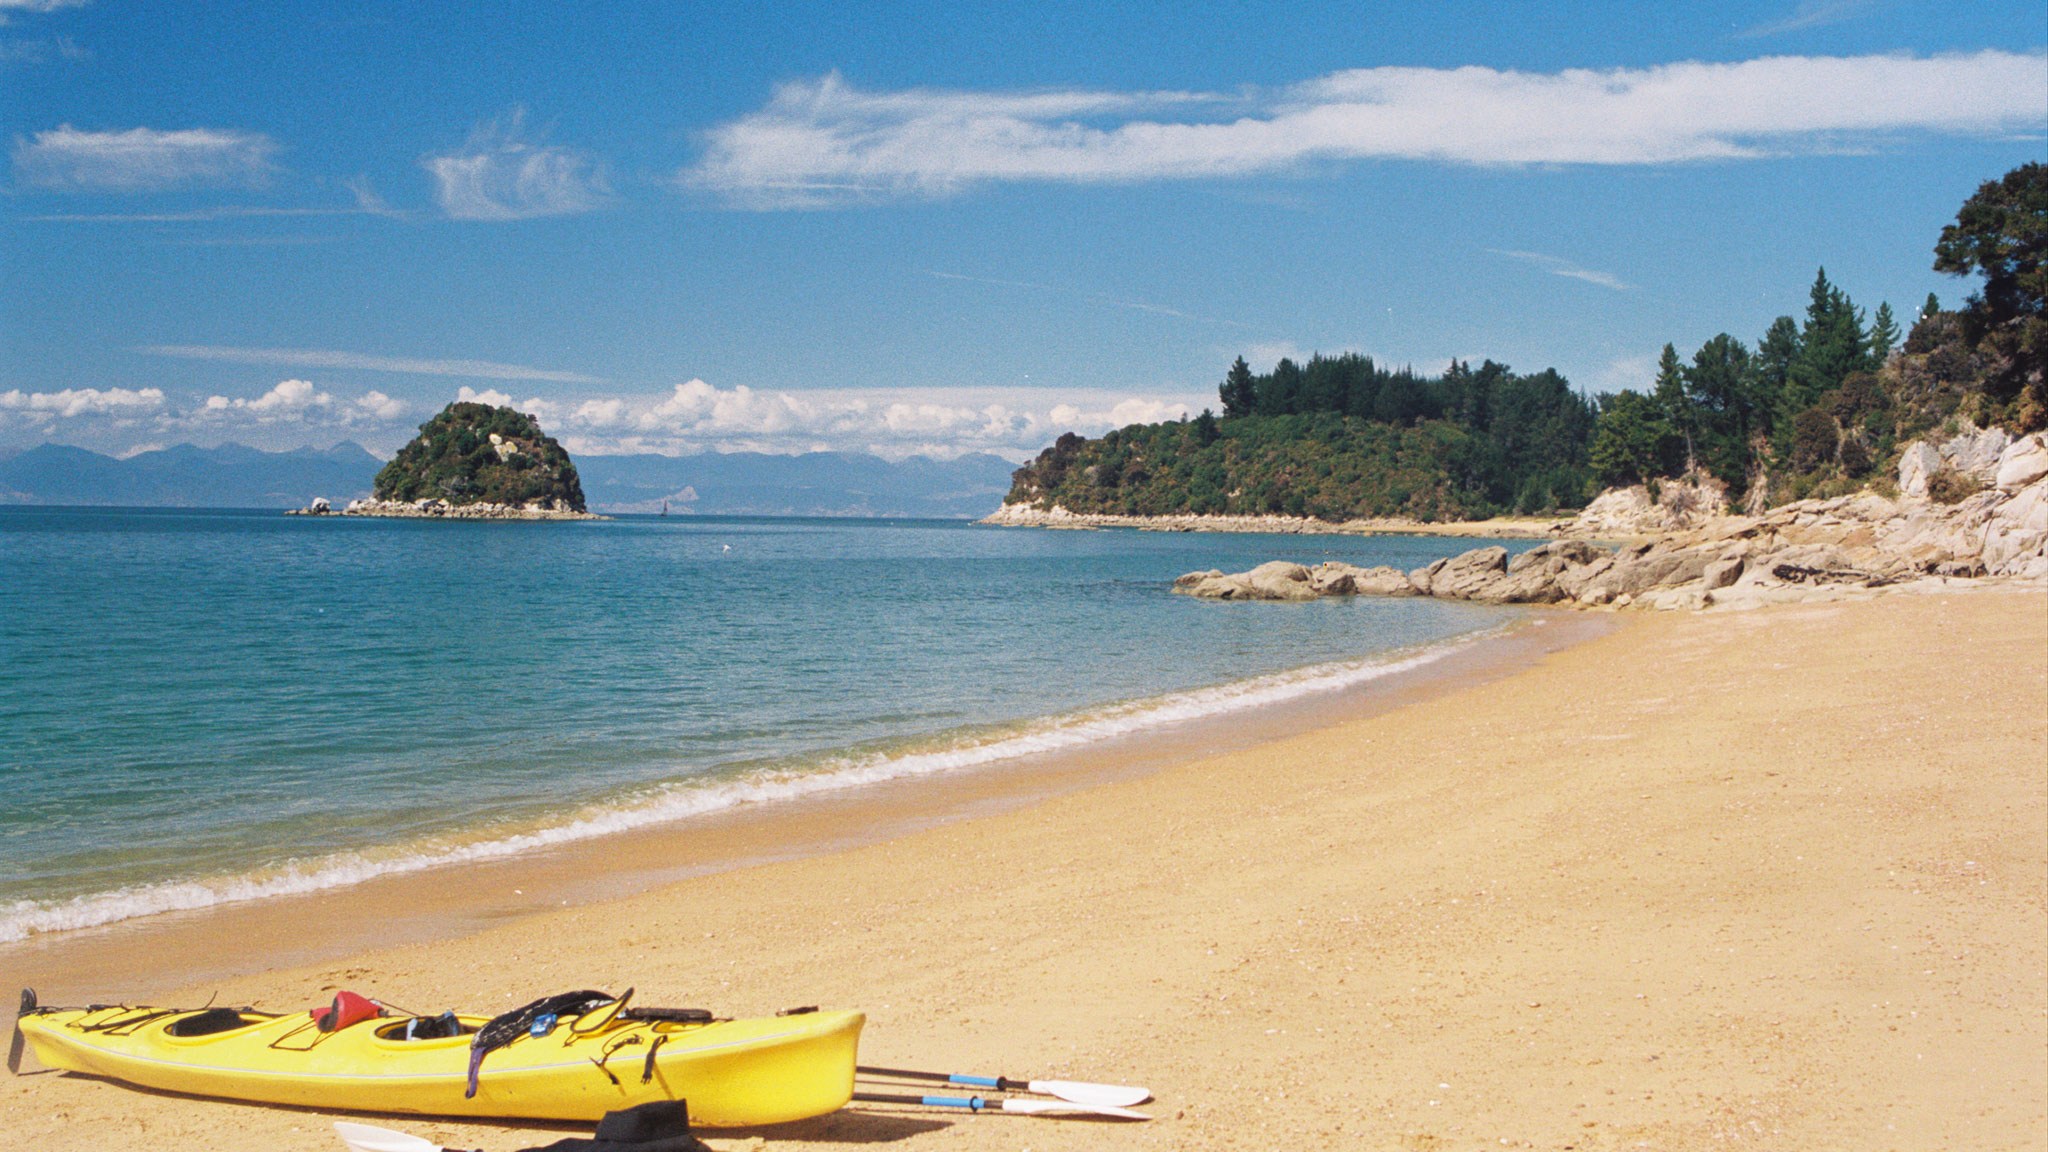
[15, 1045]
[363, 1138]
[977, 1104]
[1099, 1095]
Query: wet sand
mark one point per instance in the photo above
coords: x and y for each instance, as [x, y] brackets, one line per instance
[1773, 879]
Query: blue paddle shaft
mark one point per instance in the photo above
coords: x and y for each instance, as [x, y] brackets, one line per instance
[974, 1103]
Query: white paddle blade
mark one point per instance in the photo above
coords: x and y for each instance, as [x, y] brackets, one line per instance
[1100, 1095]
[1070, 1108]
[363, 1138]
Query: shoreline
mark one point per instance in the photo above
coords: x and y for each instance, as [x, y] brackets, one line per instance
[1499, 527]
[465, 896]
[1776, 878]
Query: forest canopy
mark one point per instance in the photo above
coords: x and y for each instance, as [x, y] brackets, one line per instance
[1820, 404]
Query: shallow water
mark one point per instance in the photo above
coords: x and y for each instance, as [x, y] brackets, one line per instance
[205, 706]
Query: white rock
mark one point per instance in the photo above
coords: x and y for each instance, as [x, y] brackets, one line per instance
[2024, 461]
[1919, 462]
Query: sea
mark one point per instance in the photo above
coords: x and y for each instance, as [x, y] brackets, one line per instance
[200, 707]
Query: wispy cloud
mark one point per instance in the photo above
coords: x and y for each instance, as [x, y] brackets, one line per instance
[142, 159]
[319, 358]
[1558, 266]
[497, 175]
[1090, 297]
[38, 50]
[367, 200]
[194, 216]
[824, 143]
[1809, 14]
[7, 6]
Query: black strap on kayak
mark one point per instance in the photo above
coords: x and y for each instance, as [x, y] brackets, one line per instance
[671, 1015]
[128, 1021]
[647, 1069]
[612, 1046]
[596, 1020]
[507, 1027]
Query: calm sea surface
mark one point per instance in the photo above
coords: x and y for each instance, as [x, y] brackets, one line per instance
[203, 706]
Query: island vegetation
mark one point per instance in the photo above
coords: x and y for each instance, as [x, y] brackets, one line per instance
[476, 454]
[1818, 406]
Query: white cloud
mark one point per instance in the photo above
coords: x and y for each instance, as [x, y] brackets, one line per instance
[1558, 266]
[498, 176]
[824, 143]
[142, 159]
[491, 396]
[381, 407]
[75, 402]
[39, 5]
[322, 358]
[297, 402]
[289, 400]
[696, 417]
[691, 417]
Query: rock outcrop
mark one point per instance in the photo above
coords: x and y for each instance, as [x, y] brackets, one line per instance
[1679, 504]
[433, 509]
[1812, 549]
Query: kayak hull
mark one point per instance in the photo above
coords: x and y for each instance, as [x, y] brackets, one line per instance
[733, 1073]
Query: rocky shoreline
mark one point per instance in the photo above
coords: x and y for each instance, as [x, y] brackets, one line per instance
[1513, 528]
[1808, 550]
[442, 510]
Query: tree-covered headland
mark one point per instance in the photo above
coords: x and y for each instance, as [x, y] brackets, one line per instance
[1818, 405]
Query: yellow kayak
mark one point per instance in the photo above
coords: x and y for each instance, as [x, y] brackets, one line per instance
[734, 1073]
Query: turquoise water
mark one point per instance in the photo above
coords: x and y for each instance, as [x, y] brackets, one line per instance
[201, 706]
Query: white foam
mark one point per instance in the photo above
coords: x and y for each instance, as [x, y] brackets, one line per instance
[21, 919]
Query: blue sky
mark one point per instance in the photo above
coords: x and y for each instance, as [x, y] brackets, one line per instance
[938, 227]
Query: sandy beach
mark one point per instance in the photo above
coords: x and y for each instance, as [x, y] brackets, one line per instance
[1764, 879]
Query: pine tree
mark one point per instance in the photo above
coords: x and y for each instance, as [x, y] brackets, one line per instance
[1717, 388]
[1280, 393]
[1832, 344]
[1884, 335]
[1931, 307]
[1670, 396]
[1239, 396]
[1770, 370]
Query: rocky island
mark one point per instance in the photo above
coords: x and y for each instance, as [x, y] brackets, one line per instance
[475, 462]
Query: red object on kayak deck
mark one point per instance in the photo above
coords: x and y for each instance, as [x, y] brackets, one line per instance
[348, 1008]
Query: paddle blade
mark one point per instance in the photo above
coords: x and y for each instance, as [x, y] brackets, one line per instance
[17, 1042]
[1100, 1095]
[1068, 1107]
[363, 1138]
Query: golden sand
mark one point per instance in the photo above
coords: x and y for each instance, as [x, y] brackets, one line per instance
[1775, 879]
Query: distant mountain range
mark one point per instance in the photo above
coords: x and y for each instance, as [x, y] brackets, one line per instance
[735, 484]
[230, 476]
